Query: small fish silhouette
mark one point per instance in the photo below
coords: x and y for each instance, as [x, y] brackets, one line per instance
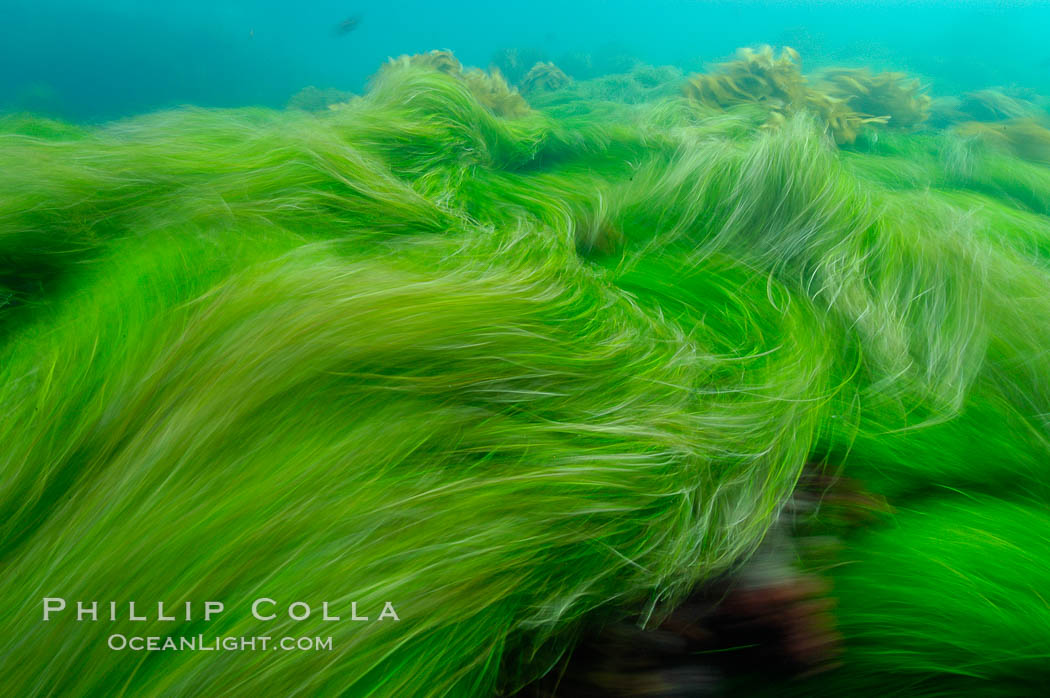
[348, 25]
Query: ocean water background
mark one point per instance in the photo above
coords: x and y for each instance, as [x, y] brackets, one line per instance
[92, 61]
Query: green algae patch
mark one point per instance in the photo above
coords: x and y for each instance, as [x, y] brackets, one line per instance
[510, 369]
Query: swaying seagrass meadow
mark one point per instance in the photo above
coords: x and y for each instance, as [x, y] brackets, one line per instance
[655, 383]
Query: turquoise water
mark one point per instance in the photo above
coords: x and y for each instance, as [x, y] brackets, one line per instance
[97, 60]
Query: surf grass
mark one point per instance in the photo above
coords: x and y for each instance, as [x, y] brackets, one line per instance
[514, 376]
